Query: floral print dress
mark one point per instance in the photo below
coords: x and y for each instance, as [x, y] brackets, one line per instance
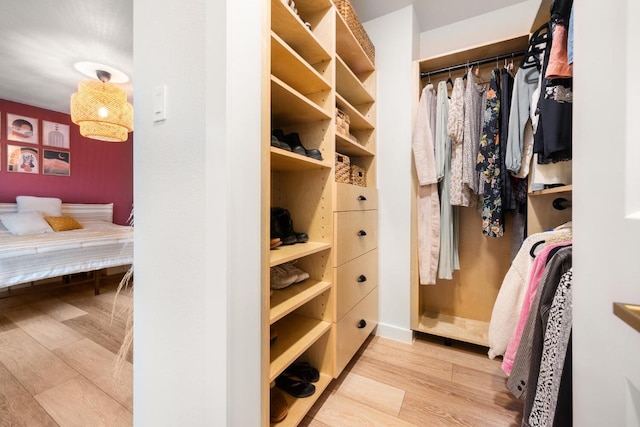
[489, 161]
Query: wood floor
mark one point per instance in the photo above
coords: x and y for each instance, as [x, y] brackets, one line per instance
[57, 353]
[424, 384]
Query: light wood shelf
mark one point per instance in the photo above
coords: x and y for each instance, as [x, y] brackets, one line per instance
[349, 86]
[282, 160]
[291, 107]
[291, 68]
[287, 25]
[357, 119]
[284, 301]
[475, 53]
[454, 327]
[295, 335]
[349, 49]
[554, 190]
[283, 254]
[350, 148]
[298, 407]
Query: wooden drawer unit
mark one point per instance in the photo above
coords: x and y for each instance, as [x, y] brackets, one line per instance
[354, 328]
[355, 233]
[354, 280]
[354, 198]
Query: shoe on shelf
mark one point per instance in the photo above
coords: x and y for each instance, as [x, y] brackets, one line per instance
[278, 407]
[282, 227]
[303, 371]
[290, 268]
[293, 139]
[281, 278]
[277, 140]
[276, 242]
[295, 387]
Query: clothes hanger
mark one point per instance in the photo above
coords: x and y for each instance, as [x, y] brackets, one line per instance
[534, 247]
[449, 81]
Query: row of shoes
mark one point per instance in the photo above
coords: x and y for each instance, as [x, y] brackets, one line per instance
[282, 228]
[297, 381]
[287, 274]
[291, 142]
[292, 6]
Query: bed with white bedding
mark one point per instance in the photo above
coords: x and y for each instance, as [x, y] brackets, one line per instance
[100, 244]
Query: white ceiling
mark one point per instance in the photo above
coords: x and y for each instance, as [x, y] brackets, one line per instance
[431, 13]
[41, 40]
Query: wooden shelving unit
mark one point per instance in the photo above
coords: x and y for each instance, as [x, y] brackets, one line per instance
[313, 70]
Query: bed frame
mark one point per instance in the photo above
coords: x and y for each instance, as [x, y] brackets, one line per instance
[81, 212]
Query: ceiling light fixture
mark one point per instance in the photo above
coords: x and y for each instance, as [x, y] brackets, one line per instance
[101, 110]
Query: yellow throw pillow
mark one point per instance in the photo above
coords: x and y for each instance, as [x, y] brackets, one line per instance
[63, 223]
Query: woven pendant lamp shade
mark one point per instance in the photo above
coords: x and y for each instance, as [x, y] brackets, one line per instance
[102, 111]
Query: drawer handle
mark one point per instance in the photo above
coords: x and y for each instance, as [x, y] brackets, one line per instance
[362, 278]
[362, 324]
[362, 198]
[362, 233]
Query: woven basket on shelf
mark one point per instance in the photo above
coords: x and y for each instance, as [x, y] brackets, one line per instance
[343, 168]
[358, 176]
[346, 10]
[342, 122]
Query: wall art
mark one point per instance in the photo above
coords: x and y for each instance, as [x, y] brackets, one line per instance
[56, 162]
[22, 129]
[22, 159]
[55, 134]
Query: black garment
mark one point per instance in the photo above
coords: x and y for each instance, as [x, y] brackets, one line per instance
[506, 90]
[561, 10]
[553, 138]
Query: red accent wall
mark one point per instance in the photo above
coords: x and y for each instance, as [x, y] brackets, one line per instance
[101, 172]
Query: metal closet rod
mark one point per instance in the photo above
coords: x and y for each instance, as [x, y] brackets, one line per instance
[424, 74]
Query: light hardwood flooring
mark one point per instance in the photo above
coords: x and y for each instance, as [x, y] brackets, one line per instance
[424, 384]
[57, 352]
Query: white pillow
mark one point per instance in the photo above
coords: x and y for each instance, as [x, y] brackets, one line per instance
[25, 223]
[49, 206]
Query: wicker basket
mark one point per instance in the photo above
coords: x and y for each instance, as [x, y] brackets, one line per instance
[343, 168]
[358, 176]
[346, 10]
[342, 122]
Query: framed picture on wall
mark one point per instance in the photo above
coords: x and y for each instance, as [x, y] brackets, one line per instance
[56, 162]
[22, 159]
[55, 134]
[22, 129]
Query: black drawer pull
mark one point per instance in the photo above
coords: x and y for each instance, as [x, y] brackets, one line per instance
[362, 278]
[362, 198]
[362, 233]
[362, 324]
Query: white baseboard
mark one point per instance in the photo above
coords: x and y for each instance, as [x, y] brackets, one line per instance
[394, 333]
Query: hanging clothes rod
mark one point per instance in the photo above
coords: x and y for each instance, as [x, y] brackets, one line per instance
[424, 74]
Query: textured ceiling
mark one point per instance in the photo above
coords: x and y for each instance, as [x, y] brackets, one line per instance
[41, 40]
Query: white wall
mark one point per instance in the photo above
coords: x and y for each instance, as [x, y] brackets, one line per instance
[501, 24]
[393, 36]
[606, 352]
[197, 201]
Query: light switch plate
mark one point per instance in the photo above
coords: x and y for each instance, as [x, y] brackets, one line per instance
[160, 103]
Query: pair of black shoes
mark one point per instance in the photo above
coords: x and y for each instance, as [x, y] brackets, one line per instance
[291, 142]
[282, 227]
[297, 378]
